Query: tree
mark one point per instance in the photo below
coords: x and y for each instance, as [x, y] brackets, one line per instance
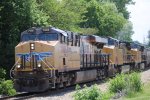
[126, 32]
[64, 14]
[121, 6]
[16, 16]
[104, 16]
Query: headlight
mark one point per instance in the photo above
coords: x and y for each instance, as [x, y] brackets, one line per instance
[32, 46]
[18, 66]
[39, 65]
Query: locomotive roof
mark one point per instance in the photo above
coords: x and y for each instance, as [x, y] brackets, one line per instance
[96, 39]
[40, 30]
[135, 45]
[113, 39]
[100, 39]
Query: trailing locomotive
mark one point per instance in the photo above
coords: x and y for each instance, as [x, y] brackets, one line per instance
[49, 58]
[125, 56]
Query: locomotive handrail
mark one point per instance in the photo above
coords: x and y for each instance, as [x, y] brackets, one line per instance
[47, 64]
[13, 67]
[51, 71]
[50, 63]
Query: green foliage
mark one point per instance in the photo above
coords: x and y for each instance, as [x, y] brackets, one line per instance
[118, 83]
[130, 83]
[144, 95]
[133, 84]
[89, 31]
[121, 6]
[6, 88]
[91, 93]
[38, 17]
[65, 14]
[126, 32]
[104, 16]
[88, 93]
[15, 17]
[107, 95]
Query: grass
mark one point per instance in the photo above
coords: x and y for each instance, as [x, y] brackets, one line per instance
[143, 95]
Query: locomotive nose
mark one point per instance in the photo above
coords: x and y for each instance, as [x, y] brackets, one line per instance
[34, 64]
[34, 55]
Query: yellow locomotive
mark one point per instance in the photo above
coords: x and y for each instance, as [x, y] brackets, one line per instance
[125, 56]
[50, 57]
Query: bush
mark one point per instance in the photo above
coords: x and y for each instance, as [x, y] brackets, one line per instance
[134, 84]
[91, 93]
[88, 93]
[6, 88]
[118, 83]
[130, 83]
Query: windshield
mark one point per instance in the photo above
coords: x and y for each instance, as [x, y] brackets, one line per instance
[43, 37]
[112, 42]
[135, 46]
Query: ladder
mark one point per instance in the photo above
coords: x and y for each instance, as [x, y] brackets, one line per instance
[52, 79]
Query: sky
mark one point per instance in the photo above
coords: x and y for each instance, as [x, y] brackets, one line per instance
[140, 17]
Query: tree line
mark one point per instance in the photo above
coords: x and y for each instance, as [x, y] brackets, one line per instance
[101, 17]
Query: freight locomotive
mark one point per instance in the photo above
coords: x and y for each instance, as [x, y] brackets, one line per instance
[49, 58]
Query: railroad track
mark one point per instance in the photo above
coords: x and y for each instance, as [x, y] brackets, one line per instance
[18, 96]
[24, 96]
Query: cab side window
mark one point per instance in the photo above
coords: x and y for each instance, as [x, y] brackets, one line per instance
[72, 39]
[63, 39]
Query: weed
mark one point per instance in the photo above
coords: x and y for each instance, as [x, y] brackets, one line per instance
[91, 93]
[128, 83]
[118, 83]
[6, 88]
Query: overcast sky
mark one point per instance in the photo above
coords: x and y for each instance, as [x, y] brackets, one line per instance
[140, 17]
